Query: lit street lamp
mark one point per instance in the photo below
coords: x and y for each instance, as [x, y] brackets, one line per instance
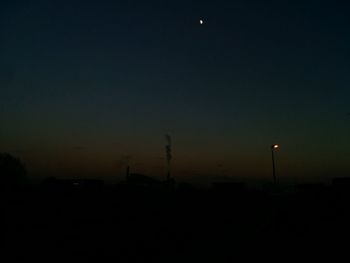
[274, 147]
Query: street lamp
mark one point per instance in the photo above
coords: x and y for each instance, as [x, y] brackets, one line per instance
[274, 147]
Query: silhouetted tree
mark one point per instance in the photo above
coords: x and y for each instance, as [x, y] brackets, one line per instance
[12, 170]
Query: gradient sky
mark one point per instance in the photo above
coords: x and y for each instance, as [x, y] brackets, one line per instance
[87, 86]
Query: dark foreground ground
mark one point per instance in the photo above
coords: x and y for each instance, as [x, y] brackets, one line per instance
[136, 224]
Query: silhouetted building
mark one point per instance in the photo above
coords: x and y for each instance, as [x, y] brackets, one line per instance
[73, 183]
[228, 187]
[341, 184]
[141, 180]
[310, 189]
[186, 186]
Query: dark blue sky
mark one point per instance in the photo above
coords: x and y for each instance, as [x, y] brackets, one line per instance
[84, 83]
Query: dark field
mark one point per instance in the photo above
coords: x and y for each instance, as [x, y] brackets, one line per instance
[138, 224]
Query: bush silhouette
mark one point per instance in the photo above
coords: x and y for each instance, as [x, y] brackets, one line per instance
[12, 170]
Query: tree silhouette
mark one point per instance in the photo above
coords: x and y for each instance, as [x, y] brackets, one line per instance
[12, 170]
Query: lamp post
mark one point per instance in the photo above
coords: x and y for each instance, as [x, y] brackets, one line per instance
[274, 147]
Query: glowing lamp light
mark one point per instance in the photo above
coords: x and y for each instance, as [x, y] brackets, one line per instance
[273, 148]
[201, 21]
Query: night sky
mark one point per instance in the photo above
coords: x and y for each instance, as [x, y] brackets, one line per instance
[89, 86]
